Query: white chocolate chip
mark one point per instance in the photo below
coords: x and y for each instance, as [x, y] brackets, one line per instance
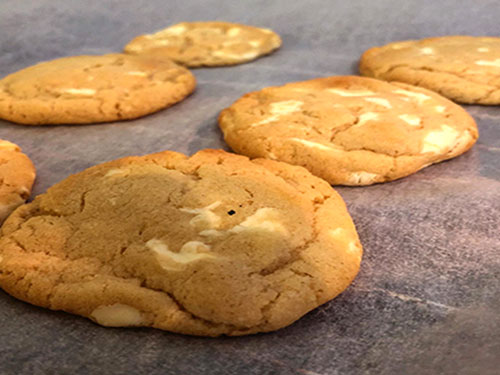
[117, 315]
[117, 172]
[483, 49]
[351, 93]
[264, 219]
[419, 97]
[495, 63]
[83, 92]
[367, 116]
[191, 251]
[319, 146]
[266, 120]
[286, 107]
[412, 120]
[244, 56]
[137, 73]
[440, 108]
[440, 140]
[234, 31]
[427, 51]
[255, 43]
[174, 30]
[399, 45]
[380, 101]
[362, 178]
[211, 233]
[205, 218]
[337, 232]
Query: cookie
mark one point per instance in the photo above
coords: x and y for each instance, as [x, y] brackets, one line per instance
[89, 89]
[207, 245]
[463, 68]
[17, 175]
[196, 44]
[349, 130]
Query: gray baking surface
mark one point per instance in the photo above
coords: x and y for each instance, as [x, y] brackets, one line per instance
[426, 300]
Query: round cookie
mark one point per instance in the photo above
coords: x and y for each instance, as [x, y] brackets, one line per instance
[463, 68]
[17, 175]
[89, 89]
[207, 245]
[196, 44]
[349, 130]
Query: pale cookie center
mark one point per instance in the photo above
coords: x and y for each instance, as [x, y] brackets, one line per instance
[117, 315]
[191, 251]
[412, 120]
[419, 97]
[362, 177]
[495, 63]
[380, 101]
[317, 145]
[205, 218]
[264, 219]
[351, 93]
[439, 140]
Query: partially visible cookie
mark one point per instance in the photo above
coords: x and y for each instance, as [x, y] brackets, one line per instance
[196, 44]
[349, 130]
[89, 89]
[17, 175]
[207, 245]
[463, 68]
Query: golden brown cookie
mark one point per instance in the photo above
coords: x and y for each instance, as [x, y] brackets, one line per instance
[17, 175]
[88, 89]
[463, 68]
[349, 130]
[196, 44]
[207, 245]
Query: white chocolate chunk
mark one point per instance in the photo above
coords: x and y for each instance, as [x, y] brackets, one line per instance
[427, 51]
[438, 141]
[365, 117]
[495, 63]
[351, 93]
[412, 120]
[137, 73]
[286, 107]
[174, 30]
[117, 172]
[83, 92]
[362, 178]
[6, 145]
[317, 145]
[234, 31]
[205, 218]
[211, 233]
[399, 45]
[440, 108]
[380, 101]
[255, 43]
[271, 155]
[264, 219]
[190, 252]
[266, 120]
[337, 232]
[483, 49]
[117, 315]
[419, 97]
[266, 31]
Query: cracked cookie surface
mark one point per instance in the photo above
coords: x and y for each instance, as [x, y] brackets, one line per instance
[207, 245]
[349, 130]
[463, 68]
[17, 175]
[196, 44]
[92, 89]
